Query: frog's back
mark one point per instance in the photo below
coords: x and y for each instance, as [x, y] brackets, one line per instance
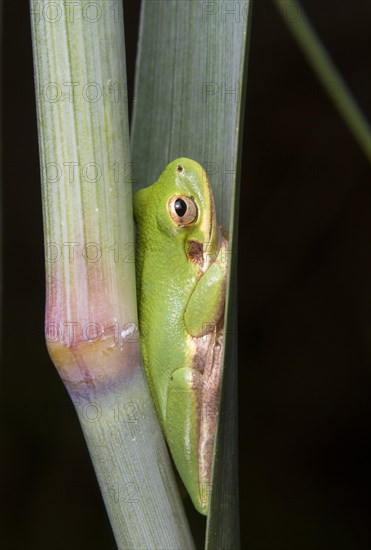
[163, 298]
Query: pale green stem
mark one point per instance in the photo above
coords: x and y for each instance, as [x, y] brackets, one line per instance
[299, 25]
[91, 318]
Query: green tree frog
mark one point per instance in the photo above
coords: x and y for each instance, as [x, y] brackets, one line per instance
[181, 272]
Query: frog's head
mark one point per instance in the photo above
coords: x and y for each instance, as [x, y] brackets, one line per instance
[180, 205]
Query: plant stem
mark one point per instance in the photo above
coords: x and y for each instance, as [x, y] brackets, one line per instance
[299, 25]
[91, 318]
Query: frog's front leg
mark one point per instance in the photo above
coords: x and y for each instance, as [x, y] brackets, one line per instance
[205, 306]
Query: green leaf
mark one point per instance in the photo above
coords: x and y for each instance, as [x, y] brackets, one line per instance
[318, 57]
[190, 89]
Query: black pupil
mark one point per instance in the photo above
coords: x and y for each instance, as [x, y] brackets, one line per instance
[180, 207]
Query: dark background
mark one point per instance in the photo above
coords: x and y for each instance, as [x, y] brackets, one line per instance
[304, 306]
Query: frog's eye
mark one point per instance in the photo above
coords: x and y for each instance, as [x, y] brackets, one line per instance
[182, 210]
